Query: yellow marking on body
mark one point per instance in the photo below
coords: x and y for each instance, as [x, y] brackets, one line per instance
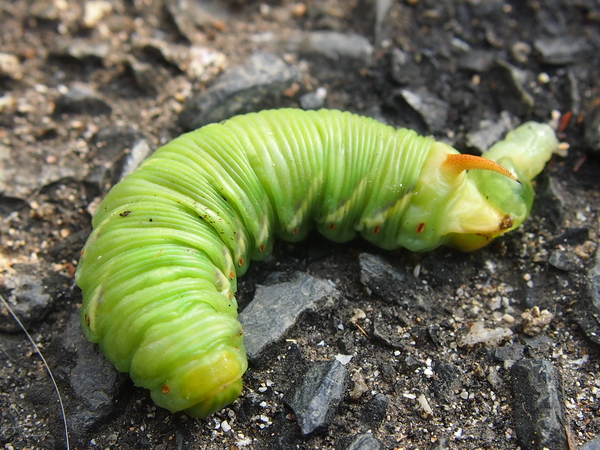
[339, 214]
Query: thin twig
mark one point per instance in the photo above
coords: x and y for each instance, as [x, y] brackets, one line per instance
[37, 350]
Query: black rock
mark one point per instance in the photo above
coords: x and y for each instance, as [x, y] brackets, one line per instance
[31, 291]
[592, 130]
[335, 46]
[315, 401]
[313, 100]
[572, 236]
[586, 312]
[538, 346]
[257, 85]
[402, 67]
[489, 132]
[390, 284]
[565, 260]
[538, 400]
[421, 110]
[441, 444]
[384, 330]
[375, 410]
[81, 99]
[94, 380]
[549, 201]
[594, 444]
[510, 89]
[594, 283]
[118, 151]
[509, 352]
[364, 442]
[447, 381]
[193, 17]
[276, 308]
[82, 50]
[561, 50]
[478, 61]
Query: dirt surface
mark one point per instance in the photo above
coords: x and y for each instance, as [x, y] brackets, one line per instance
[135, 62]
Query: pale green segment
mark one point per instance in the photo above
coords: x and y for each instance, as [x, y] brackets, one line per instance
[529, 146]
[159, 271]
[524, 151]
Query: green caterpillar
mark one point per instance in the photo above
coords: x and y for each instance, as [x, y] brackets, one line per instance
[158, 273]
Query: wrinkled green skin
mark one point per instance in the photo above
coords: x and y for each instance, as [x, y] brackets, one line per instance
[158, 273]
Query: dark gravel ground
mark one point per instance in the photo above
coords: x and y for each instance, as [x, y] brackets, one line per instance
[87, 89]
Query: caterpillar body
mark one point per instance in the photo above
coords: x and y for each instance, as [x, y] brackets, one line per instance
[158, 273]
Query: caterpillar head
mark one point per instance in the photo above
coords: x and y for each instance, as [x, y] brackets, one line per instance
[497, 199]
[466, 201]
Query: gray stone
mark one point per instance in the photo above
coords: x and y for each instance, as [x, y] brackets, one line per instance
[275, 309]
[194, 16]
[387, 333]
[388, 283]
[571, 236]
[594, 444]
[30, 291]
[403, 68]
[381, 278]
[431, 110]
[94, 380]
[591, 134]
[486, 7]
[510, 89]
[447, 381]
[313, 100]
[118, 151]
[441, 444]
[539, 416]
[489, 132]
[375, 410]
[586, 312]
[146, 77]
[315, 401]
[510, 352]
[477, 61]
[594, 282]
[82, 49]
[364, 442]
[561, 50]
[335, 45]
[565, 260]
[549, 201]
[257, 85]
[81, 99]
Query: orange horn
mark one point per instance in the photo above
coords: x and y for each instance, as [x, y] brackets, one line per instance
[456, 163]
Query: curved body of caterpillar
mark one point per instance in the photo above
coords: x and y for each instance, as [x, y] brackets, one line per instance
[158, 273]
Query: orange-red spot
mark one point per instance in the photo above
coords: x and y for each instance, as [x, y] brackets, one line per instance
[295, 230]
[261, 248]
[331, 226]
[563, 123]
[231, 275]
[165, 389]
[87, 320]
[419, 228]
[241, 262]
[376, 229]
